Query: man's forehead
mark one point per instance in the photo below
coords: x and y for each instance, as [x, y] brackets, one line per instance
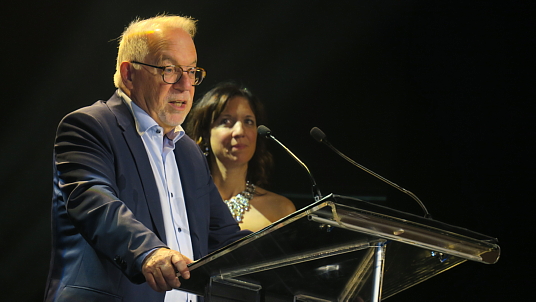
[173, 47]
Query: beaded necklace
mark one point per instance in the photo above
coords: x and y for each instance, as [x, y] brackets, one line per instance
[239, 204]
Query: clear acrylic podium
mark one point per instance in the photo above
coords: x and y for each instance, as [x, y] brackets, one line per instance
[336, 249]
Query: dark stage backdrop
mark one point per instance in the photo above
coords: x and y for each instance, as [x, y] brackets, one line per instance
[433, 95]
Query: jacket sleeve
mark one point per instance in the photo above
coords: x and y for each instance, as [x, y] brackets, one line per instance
[86, 162]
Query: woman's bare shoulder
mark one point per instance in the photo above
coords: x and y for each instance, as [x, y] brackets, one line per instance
[276, 202]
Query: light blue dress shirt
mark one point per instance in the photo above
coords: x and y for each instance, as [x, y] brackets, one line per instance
[160, 148]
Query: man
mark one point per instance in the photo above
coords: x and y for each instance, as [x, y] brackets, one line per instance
[133, 198]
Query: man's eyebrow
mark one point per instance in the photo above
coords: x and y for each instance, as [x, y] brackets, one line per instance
[173, 62]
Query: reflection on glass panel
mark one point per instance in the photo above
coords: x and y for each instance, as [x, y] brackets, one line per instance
[326, 252]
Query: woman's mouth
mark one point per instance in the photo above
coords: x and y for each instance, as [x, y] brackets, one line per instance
[239, 146]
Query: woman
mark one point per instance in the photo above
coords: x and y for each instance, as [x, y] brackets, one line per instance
[224, 124]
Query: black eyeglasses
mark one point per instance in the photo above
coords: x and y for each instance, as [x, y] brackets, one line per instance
[171, 74]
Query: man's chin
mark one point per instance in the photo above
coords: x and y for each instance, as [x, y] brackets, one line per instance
[175, 120]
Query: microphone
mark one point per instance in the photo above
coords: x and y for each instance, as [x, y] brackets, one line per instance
[266, 132]
[320, 137]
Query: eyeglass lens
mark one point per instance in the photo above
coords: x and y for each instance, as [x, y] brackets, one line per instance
[172, 74]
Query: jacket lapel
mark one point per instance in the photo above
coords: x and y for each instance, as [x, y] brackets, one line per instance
[125, 121]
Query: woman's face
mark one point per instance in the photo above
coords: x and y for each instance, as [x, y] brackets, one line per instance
[233, 135]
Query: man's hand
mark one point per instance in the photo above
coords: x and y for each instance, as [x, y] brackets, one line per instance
[163, 267]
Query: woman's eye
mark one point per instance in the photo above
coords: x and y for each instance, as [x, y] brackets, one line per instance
[225, 121]
[250, 122]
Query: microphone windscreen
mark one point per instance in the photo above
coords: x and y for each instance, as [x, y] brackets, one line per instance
[318, 134]
[264, 131]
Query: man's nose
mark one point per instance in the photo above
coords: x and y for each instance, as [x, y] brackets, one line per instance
[184, 83]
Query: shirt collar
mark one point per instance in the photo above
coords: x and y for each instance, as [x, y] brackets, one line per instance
[145, 122]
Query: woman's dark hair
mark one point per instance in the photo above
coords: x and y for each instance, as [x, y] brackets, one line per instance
[209, 108]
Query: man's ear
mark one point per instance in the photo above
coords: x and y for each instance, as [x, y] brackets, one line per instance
[126, 70]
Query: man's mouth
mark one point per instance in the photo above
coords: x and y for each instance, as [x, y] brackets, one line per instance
[178, 104]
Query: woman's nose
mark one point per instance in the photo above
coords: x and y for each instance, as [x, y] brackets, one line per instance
[238, 129]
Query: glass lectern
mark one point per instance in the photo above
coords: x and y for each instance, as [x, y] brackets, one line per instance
[336, 249]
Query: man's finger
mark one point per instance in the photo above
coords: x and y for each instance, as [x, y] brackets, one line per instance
[181, 267]
[156, 281]
[161, 281]
[150, 280]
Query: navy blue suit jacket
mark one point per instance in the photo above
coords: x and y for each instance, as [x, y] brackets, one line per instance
[106, 210]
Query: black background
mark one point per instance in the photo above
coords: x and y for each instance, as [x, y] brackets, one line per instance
[437, 96]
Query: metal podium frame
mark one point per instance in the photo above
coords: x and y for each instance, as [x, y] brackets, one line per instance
[336, 249]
